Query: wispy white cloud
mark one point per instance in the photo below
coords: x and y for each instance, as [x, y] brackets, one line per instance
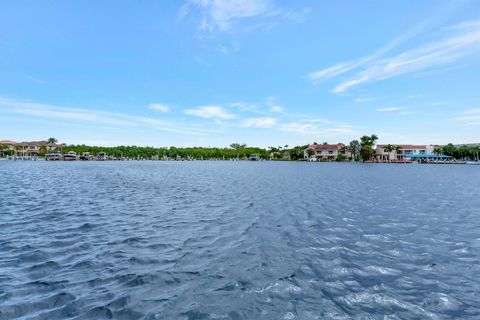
[220, 16]
[298, 127]
[317, 120]
[469, 117]
[159, 107]
[277, 109]
[333, 71]
[459, 41]
[35, 79]
[390, 109]
[340, 68]
[448, 50]
[273, 105]
[245, 107]
[360, 100]
[330, 132]
[167, 126]
[30, 108]
[210, 111]
[51, 112]
[259, 122]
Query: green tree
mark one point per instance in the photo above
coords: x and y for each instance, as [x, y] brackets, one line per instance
[476, 152]
[389, 148]
[310, 152]
[3, 149]
[238, 146]
[366, 146]
[354, 148]
[438, 150]
[297, 153]
[449, 150]
[52, 142]
[43, 150]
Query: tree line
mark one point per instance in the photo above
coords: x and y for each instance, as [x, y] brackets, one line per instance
[362, 149]
[459, 152]
[136, 152]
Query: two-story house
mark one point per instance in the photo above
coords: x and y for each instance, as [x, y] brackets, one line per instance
[323, 151]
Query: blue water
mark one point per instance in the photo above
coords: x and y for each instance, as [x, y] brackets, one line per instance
[238, 240]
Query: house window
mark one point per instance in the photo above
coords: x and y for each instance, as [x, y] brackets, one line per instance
[423, 151]
[330, 152]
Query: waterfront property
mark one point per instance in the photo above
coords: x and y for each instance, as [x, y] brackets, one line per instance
[400, 152]
[433, 158]
[324, 151]
[28, 148]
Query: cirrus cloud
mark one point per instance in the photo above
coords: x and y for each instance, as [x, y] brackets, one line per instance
[459, 41]
[159, 107]
[259, 122]
[210, 111]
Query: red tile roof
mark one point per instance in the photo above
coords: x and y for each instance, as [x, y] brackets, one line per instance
[337, 146]
[404, 146]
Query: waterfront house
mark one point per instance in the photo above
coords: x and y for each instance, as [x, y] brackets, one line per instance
[29, 148]
[7, 147]
[324, 151]
[402, 153]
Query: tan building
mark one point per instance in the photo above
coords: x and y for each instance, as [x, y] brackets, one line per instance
[324, 151]
[30, 148]
[404, 150]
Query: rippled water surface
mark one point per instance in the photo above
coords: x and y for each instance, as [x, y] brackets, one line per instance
[238, 240]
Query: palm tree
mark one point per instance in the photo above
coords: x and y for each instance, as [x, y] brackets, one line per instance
[354, 148]
[236, 146]
[367, 143]
[52, 142]
[389, 148]
[476, 151]
[438, 150]
[397, 149]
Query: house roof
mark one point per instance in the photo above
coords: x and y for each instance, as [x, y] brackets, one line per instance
[337, 146]
[8, 142]
[404, 146]
[33, 143]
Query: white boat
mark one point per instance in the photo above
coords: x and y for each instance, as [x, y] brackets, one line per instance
[53, 156]
[70, 156]
[102, 156]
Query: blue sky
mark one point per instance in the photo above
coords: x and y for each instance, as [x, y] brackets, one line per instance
[265, 73]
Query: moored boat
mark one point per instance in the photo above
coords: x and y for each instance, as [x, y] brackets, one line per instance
[70, 156]
[102, 156]
[86, 156]
[53, 156]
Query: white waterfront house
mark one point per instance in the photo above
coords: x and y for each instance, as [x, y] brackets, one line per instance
[323, 151]
[403, 151]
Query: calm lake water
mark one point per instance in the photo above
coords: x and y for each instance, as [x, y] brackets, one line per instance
[238, 240]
